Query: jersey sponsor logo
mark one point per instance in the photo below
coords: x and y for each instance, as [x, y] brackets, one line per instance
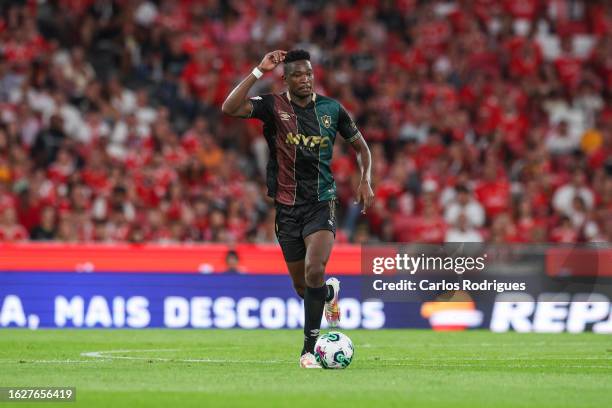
[284, 115]
[307, 141]
[326, 120]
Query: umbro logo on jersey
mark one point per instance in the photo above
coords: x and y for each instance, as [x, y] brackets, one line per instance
[284, 115]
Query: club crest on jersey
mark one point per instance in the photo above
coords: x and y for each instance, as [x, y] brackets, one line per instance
[284, 115]
[326, 120]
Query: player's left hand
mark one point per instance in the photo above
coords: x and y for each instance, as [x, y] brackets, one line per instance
[365, 195]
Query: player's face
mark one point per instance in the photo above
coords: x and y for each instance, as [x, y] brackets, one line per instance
[299, 78]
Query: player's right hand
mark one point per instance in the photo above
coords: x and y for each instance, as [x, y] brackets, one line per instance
[365, 195]
[271, 60]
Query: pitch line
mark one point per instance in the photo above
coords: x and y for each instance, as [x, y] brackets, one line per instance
[418, 365]
[544, 358]
[23, 361]
[110, 354]
[474, 345]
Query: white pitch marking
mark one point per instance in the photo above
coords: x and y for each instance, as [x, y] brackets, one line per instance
[484, 366]
[45, 361]
[109, 354]
[546, 358]
[102, 354]
[473, 345]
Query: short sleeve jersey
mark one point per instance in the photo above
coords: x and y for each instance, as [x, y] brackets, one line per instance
[301, 142]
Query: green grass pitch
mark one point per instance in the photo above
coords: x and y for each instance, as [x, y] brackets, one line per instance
[404, 368]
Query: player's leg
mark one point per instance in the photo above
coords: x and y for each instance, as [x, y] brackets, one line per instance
[291, 223]
[288, 232]
[288, 227]
[294, 252]
[322, 217]
[318, 249]
[298, 276]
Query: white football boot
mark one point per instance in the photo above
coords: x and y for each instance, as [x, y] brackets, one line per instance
[332, 310]
[308, 360]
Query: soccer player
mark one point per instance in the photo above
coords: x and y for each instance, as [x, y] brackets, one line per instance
[300, 127]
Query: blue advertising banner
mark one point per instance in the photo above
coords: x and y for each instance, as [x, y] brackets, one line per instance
[117, 300]
[159, 300]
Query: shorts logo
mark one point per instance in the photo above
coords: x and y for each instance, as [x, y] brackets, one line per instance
[326, 120]
[284, 115]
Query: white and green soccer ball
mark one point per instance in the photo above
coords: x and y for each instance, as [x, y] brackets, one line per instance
[334, 350]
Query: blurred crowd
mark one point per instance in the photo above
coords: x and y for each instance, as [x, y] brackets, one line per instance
[488, 120]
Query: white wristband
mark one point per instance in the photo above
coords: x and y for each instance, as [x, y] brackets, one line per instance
[257, 72]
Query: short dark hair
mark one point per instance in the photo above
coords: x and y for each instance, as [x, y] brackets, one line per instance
[231, 253]
[462, 188]
[296, 55]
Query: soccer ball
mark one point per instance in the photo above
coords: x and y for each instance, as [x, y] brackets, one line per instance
[334, 350]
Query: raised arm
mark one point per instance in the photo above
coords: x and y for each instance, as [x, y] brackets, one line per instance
[237, 104]
[365, 194]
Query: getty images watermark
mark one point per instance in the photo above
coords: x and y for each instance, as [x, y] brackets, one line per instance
[404, 263]
[402, 272]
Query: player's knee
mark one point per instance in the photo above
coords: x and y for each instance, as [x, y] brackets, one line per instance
[315, 272]
[299, 289]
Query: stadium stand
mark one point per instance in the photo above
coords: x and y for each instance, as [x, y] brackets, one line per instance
[488, 120]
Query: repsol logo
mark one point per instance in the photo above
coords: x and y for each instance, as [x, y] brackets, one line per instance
[307, 141]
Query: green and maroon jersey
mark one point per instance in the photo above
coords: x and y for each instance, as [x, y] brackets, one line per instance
[301, 142]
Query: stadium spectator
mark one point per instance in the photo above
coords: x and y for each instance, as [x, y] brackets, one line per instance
[462, 231]
[464, 205]
[563, 199]
[560, 141]
[232, 262]
[493, 190]
[565, 232]
[10, 230]
[46, 230]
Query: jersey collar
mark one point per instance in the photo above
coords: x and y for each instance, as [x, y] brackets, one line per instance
[314, 96]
